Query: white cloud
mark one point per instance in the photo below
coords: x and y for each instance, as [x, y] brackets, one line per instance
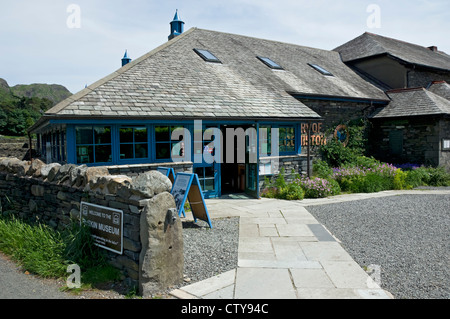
[37, 46]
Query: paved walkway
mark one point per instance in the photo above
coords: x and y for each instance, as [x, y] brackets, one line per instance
[285, 253]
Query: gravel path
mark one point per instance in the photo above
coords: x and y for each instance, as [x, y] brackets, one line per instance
[407, 235]
[210, 252]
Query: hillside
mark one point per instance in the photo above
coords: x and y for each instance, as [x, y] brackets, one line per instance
[22, 105]
[53, 92]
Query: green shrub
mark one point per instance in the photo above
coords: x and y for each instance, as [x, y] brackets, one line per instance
[321, 169]
[400, 180]
[427, 176]
[370, 183]
[438, 177]
[292, 191]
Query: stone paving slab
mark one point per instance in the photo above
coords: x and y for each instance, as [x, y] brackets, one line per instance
[285, 253]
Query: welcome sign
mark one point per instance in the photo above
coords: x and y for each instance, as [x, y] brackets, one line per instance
[106, 226]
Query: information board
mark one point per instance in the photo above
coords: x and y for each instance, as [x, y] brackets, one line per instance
[187, 186]
[168, 171]
[106, 226]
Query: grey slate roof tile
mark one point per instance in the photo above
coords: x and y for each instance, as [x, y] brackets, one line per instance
[440, 88]
[414, 102]
[173, 81]
[369, 44]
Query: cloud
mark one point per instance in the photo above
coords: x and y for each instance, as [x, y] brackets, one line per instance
[37, 45]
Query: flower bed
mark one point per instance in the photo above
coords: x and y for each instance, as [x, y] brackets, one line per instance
[366, 175]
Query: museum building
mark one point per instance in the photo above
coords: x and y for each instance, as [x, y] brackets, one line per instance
[284, 94]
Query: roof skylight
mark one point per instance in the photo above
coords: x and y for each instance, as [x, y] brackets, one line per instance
[318, 68]
[270, 63]
[207, 56]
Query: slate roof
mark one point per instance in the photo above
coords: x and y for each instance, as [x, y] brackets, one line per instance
[413, 102]
[440, 88]
[369, 45]
[172, 81]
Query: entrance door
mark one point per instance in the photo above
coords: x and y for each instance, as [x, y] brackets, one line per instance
[251, 164]
[208, 173]
[239, 169]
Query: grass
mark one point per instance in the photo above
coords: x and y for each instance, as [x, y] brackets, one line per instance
[45, 252]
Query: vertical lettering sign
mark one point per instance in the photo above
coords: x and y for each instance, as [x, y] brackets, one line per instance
[106, 226]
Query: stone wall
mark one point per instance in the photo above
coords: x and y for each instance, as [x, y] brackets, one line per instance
[422, 78]
[444, 133]
[52, 194]
[292, 164]
[136, 169]
[338, 112]
[421, 141]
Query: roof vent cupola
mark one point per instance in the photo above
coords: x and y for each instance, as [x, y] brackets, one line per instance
[125, 59]
[176, 26]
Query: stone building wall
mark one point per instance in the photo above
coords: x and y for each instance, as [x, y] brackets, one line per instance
[421, 140]
[339, 112]
[422, 78]
[51, 194]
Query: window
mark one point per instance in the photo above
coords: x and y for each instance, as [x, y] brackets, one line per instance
[265, 140]
[270, 63]
[287, 139]
[133, 142]
[207, 56]
[320, 69]
[206, 177]
[93, 144]
[165, 147]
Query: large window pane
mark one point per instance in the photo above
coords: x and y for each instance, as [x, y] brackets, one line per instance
[162, 134]
[140, 135]
[126, 151]
[126, 135]
[85, 154]
[103, 154]
[84, 135]
[287, 139]
[102, 135]
[162, 150]
[141, 151]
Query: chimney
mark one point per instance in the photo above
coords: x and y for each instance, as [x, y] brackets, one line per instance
[176, 26]
[125, 59]
[433, 48]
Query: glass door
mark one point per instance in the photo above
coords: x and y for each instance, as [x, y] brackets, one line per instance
[251, 164]
[204, 166]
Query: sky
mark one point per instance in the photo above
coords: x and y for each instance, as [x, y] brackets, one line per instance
[77, 42]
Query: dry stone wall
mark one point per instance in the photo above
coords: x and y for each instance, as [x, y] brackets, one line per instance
[52, 193]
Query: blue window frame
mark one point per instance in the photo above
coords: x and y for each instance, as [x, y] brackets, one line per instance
[287, 139]
[133, 143]
[93, 144]
[165, 147]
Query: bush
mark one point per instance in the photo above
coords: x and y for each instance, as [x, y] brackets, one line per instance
[427, 176]
[321, 169]
[370, 183]
[318, 187]
[292, 191]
